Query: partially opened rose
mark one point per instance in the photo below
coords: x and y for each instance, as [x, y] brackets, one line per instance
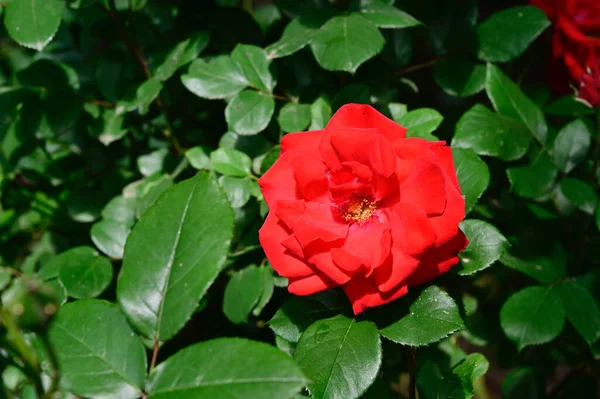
[360, 206]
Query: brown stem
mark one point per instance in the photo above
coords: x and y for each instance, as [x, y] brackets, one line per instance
[154, 355]
[101, 103]
[418, 67]
[411, 357]
[136, 52]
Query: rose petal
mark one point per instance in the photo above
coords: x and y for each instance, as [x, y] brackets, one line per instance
[412, 232]
[271, 235]
[425, 188]
[278, 182]
[324, 263]
[310, 285]
[369, 243]
[439, 260]
[351, 144]
[302, 142]
[394, 271]
[366, 117]
[289, 211]
[363, 294]
[442, 156]
[310, 174]
[318, 223]
[383, 156]
[446, 225]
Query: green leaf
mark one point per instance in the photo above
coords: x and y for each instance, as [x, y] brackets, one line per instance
[226, 368]
[571, 145]
[149, 190]
[110, 236]
[340, 356]
[581, 309]
[294, 117]
[507, 33]
[242, 293]
[267, 290]
[219, 78]
[532, 316]
[230, 162]
[173, 254]
[486, 245]
[83, 272]
[112, 126]
[296, 35]
[579, 193]
[432, 316]
[385, 15]
[533, 180]
[198, 157]
[33, 23]
[473, 175]
[82, 3]
[546, 268]
[184, 52]
[459, 76]
[421, 123]
[345, 42]
[254, 65]
[237, 189]
[509, 100]
[320, 112]
[98, 353]
[453, 384]
[153, 162]
[569, 106]
[489, 133]
[147, 93]
[249, 112]
[297, 313]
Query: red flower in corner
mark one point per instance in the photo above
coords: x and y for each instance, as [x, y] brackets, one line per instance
[576, 42]
[360, 206]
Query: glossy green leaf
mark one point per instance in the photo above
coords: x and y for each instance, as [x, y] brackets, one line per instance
[297, 313]
[473, 175]
[532, 316]
[546, 268]
[581, 194]
[568, 106]
[489, 133]
[294, 117]
[385, 15]
[230, 162]
[112, 126]
[237, 189]
[226, 368]
[219, 78]
[242, 293]
[147, 93]
[296, 35]
[149, 190]
[98, 353]
[110, 236]
[522, 383]
[183, 53]
[340, 356]
[533, 180]
[571, 145]
[507, 33]
[83, 272]
[459, 76]
[173, 254]
[345, 42]
[249, 112]
[320, 112]
[152, 163]
[253, 63]
[268, 287]
[421, 122]
[509, 100]
[33, 23]
[486, 246]
[581, 308]
[455, 383]
[432, 316]
[198, 157]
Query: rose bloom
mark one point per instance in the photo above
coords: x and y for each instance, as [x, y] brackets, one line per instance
[576, 43]
[361, 206]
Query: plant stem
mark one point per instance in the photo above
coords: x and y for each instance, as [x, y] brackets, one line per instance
[411, 357]
[54, 364]
[418, 67]
[137, 53]
[154, 355]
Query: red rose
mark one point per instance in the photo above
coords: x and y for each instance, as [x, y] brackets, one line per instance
[360, 206]
[576, 43]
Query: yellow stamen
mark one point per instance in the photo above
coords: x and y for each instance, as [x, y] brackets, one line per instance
[359, 208]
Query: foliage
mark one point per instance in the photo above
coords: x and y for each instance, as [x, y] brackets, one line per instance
[134, 133]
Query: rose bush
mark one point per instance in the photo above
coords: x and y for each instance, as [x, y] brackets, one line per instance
[576, 44]
[361, 206]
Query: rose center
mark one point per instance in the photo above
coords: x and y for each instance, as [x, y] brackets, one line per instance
[359, 208]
